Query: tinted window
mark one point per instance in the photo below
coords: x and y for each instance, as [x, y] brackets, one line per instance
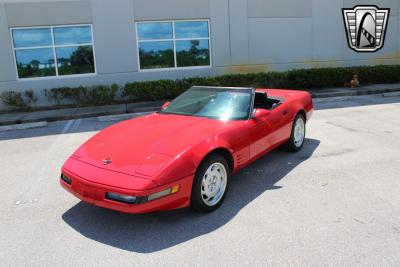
[34, 51]
[191, 29]
[154, 55]
[32, 37]
[35, 62]
[192, 53]
[159, 47]
[75, 60]
[72, 35]
[155, 30]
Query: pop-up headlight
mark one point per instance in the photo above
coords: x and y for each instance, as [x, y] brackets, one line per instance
[121, 198]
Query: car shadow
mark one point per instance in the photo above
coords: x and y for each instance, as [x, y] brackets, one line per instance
[157, 231]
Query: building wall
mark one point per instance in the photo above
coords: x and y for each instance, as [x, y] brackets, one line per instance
[246, 36]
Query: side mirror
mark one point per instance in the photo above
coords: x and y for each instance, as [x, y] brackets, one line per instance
[165, 105]
[260, 113]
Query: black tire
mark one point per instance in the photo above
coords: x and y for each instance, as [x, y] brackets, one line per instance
[196, 200]
[291, 144]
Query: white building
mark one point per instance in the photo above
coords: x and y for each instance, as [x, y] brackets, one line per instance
[46, 44]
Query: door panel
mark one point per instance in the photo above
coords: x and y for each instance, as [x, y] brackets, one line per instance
[261, 134]
[269, 130]
[280, 123]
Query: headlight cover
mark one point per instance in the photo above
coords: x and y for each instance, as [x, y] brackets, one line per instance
[127, 199]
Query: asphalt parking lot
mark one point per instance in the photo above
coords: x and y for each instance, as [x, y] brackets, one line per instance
[335, 203]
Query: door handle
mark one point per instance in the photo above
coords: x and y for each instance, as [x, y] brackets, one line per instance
[284, 112]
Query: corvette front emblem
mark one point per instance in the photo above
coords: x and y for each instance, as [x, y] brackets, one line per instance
[366, 27]
[107, 161]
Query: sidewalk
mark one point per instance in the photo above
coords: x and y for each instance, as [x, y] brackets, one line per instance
[362, 90]
[85, 112]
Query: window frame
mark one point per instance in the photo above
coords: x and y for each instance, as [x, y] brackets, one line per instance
[173, 40]
[53, 47]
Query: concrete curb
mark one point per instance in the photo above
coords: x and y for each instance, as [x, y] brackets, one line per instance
[391, 94]
[355, 92]
[23, 126]
[330, 99]
[119, 117]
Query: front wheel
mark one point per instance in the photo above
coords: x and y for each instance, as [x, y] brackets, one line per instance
[297, 136]
[210, 184]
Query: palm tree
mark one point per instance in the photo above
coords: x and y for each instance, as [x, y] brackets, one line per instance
[35, 64]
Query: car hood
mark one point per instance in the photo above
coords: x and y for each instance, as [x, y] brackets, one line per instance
[144, 146]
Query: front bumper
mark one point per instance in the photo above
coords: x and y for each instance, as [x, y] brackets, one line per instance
[95, 194]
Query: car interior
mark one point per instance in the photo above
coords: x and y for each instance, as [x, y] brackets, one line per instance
[262, 101]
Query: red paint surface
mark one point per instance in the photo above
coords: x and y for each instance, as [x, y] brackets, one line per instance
[157, 151]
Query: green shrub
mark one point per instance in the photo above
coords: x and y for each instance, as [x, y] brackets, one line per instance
[95, 95]
[18, 100]
[13, 99]
[168, 89]
[152, 90]
[56, 95]
[30, 97]
[293, 79]
[84, 95]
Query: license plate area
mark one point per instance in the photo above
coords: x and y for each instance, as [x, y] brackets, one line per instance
[85, 192]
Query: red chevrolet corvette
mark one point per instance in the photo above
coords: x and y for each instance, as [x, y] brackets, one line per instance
[185, 154]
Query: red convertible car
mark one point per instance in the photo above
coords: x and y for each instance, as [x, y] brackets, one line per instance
[185, 154]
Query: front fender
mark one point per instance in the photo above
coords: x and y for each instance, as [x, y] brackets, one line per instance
[186, 163]
[302, 102]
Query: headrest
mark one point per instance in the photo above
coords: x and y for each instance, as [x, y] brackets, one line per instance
[260, 97]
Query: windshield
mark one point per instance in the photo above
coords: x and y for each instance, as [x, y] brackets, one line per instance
[217, 103]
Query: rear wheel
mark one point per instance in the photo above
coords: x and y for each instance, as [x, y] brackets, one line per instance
[297, 136]
[210, 184]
